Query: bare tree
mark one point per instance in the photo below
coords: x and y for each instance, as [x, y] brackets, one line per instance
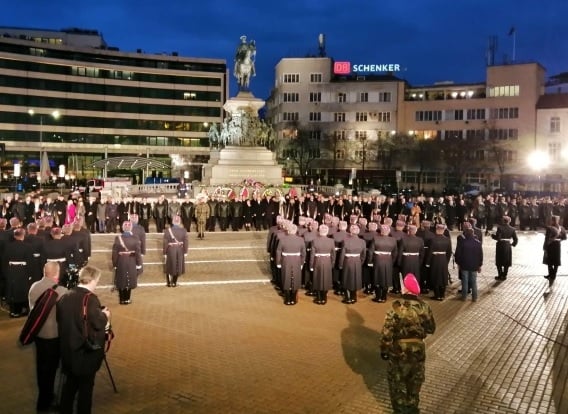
[298, 146]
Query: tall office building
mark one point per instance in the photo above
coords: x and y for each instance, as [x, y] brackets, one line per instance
[111, 103]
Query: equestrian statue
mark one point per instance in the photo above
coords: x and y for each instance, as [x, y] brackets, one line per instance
[244, 63]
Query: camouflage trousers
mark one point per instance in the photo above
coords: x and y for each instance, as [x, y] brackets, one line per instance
[405, 377]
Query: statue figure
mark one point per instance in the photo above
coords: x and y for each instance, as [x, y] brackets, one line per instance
[213, 136]
[225, 133]
[244, 63]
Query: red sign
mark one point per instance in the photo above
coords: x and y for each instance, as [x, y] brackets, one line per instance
[342, 68]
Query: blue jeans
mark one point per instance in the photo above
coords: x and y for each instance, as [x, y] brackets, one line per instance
[469, 281]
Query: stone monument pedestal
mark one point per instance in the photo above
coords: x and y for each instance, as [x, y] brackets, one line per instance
[233, 165]
[242, 158]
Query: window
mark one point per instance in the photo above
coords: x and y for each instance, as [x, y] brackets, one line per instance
[340, 135]
[361, 135]
[499, 91]
[291, 77]
[504, 113]
[341, 97]
[428, 115]
[315, 96]
[315, 134]
[315, 77]
[384, 116]
[314, 153]
[453, 134]
[476, 114]
[385, 96]
[454, 115]
[361, 116]
[554, 125]
[315, 116]
[478, 134]
[363, 97]
[504, 134]
[340, 154]
[189, 96]
[554, 150]
[290, 116]
[360, 154]
[339, 117]
[290, 97]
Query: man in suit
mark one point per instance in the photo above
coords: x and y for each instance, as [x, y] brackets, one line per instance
[82, 325]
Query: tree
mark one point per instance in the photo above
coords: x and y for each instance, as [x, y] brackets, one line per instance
[455, 152]
[298, 145]
[499, 150]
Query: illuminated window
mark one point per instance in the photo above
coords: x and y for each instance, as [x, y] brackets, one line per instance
[189, 96]
[499, 91]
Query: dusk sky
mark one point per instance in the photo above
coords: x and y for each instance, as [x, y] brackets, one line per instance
[433, 40]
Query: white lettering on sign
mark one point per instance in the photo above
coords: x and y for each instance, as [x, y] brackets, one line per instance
[383, 67]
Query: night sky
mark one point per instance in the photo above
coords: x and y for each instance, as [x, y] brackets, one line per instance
[433, 40]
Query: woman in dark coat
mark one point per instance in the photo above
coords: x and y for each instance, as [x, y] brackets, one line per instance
[247, 214]
[555, 233]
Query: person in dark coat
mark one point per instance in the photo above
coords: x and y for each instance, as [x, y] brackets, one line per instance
[506, 237]
[160, 213]
[367, 233]
[248, 214]
[469, 258]
[186, 210]
[223, 213]
[338, 238]
[57, 250]
[127, 262]
[308, 237]
[426, 234]
[381, 255]
[437, 259]
[411, 253]
[290, 257]
[145, 212]
[397, 232]
[322, 260]
[17, 268]
[139, 232]
[91, 214]
[79, 313]
[36, 242]
[555, 234]
[352, 257]
[175, 245]
[112, 216]
[236, 213]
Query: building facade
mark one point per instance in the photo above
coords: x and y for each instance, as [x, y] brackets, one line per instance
[430, 137]
[111, 103]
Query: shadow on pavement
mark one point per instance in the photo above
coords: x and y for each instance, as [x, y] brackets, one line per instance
[360, 347]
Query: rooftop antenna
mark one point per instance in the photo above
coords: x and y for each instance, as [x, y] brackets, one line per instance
[321, 45]
[491, 50]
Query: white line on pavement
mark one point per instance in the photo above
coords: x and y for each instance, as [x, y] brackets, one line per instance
[192, 248]
[207, 282]
[210, 261]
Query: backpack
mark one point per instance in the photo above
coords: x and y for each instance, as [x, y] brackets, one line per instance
[38, 315]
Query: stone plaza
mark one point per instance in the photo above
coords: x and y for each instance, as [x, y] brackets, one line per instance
[223, 342]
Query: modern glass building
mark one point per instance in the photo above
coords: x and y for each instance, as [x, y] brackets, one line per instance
[110, 103]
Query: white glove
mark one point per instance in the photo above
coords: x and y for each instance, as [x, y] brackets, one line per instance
[278, 266]
[138, 267]
[311, 270]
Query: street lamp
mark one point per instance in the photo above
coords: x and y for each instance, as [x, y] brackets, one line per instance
[538, 161]
[54, 115]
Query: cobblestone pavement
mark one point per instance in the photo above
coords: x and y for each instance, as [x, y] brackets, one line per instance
[223, 342]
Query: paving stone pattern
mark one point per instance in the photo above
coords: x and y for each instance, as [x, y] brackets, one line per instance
[223, 342]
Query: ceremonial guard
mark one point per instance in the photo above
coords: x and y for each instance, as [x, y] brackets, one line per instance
[368, 236]
[398, 234]
[274, 240]
[381, 256]
[402, 344]
[139, 232]
[36, 242]
[202, 213]
[411, 253]
[127, 262]
[555, 234]
[352, 257]
[322, 260]
[308, 237]
[17, 267]
[175, 247]
[338, 238]
[437, 258]
[506, 237]
[426, 234]
[290, 257]
[57, 250]
[83, 238]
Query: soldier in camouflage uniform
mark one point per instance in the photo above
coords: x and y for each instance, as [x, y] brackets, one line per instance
[402, 344]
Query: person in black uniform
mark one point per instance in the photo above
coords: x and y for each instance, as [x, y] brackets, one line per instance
[56, 250]
[506, 237]
[175, 245]
[555, 234]
[127, 262]
[17, 269]
[437, 259]
[36, 242]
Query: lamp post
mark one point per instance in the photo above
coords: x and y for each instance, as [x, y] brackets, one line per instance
[538, 161]
[55, 115]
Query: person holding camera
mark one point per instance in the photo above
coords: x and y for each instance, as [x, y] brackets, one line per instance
[402, 344]
[82, 326]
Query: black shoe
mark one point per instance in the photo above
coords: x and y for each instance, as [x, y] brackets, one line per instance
[551, 281]
[547, 277]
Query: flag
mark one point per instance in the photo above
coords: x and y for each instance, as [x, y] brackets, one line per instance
[45, 169]
[512, 31]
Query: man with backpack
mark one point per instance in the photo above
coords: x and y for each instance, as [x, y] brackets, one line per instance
[47, 339]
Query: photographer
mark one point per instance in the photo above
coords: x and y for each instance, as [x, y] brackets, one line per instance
[82, 325]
